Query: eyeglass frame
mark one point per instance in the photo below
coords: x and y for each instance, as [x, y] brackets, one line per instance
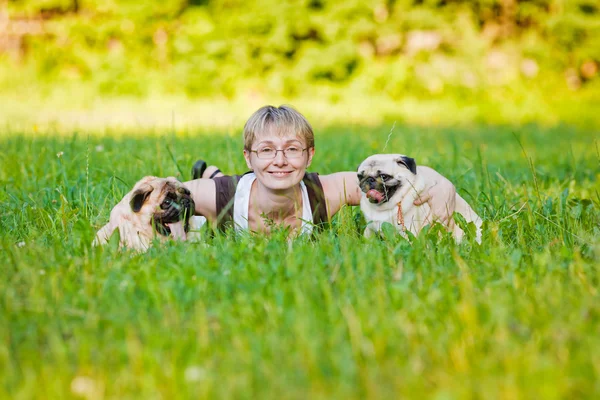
[278, 150]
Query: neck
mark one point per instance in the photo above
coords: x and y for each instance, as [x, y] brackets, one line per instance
[409, 192]
[277, 204]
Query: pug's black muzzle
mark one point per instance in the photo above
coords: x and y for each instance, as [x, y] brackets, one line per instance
[387, 190]
[176, 206]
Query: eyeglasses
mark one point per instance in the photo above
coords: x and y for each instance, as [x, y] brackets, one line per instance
[269, 153]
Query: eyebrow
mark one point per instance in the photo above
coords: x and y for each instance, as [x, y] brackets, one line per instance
[286, 142]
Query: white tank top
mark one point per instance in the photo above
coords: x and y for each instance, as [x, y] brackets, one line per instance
[241, 205]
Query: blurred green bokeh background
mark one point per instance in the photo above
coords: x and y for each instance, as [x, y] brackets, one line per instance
[212, 62]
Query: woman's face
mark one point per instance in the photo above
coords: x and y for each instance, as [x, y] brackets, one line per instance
[279, 172]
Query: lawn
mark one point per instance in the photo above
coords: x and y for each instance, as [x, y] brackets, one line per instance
[337, 316]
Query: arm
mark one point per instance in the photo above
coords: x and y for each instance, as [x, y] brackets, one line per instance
[340, 189]
[203, 193]
[440, 194]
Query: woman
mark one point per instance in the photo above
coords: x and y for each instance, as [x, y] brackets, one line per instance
[278, 148]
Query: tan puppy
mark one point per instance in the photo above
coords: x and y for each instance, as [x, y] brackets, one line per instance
[160, 206]
[390, 184]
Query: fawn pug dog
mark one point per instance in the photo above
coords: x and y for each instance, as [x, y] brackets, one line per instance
[390, 184]
[154, 205]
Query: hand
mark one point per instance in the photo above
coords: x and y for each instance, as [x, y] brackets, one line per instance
[440, 194]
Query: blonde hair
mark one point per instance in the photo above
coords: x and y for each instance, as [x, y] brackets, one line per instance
[283, 120]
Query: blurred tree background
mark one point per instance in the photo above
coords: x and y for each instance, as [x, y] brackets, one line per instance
[540, 55]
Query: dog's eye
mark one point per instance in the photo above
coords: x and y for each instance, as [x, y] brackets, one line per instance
[166, 203]
[385, 177]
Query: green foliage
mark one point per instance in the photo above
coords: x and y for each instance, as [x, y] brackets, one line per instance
[232, 48]
[337, 316]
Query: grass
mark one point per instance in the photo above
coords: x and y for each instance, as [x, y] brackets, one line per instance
[335, 317]
[66, 107]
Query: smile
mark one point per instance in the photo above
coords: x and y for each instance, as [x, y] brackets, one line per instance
[280, 174]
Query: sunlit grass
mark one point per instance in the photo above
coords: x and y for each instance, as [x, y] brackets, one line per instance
[67, 109]
[336, 316]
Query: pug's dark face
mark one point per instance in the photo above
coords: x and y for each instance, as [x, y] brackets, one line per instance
[380, 176]
[167, 200]
[378, 186]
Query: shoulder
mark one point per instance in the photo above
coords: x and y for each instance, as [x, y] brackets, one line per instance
[226, 184]
[213, 197]
[313, 179]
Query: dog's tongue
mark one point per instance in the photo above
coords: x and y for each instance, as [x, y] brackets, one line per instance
[375, 195]
[177, 230]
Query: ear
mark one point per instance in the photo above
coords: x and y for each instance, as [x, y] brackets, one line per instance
[139, 197]
[311, 154]
[247, 157]
[408, 163]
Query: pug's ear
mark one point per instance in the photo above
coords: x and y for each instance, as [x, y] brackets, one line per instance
[408, 163]
[139, 197]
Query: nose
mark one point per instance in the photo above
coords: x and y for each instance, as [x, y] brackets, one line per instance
[371, 181]
[279, 159]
